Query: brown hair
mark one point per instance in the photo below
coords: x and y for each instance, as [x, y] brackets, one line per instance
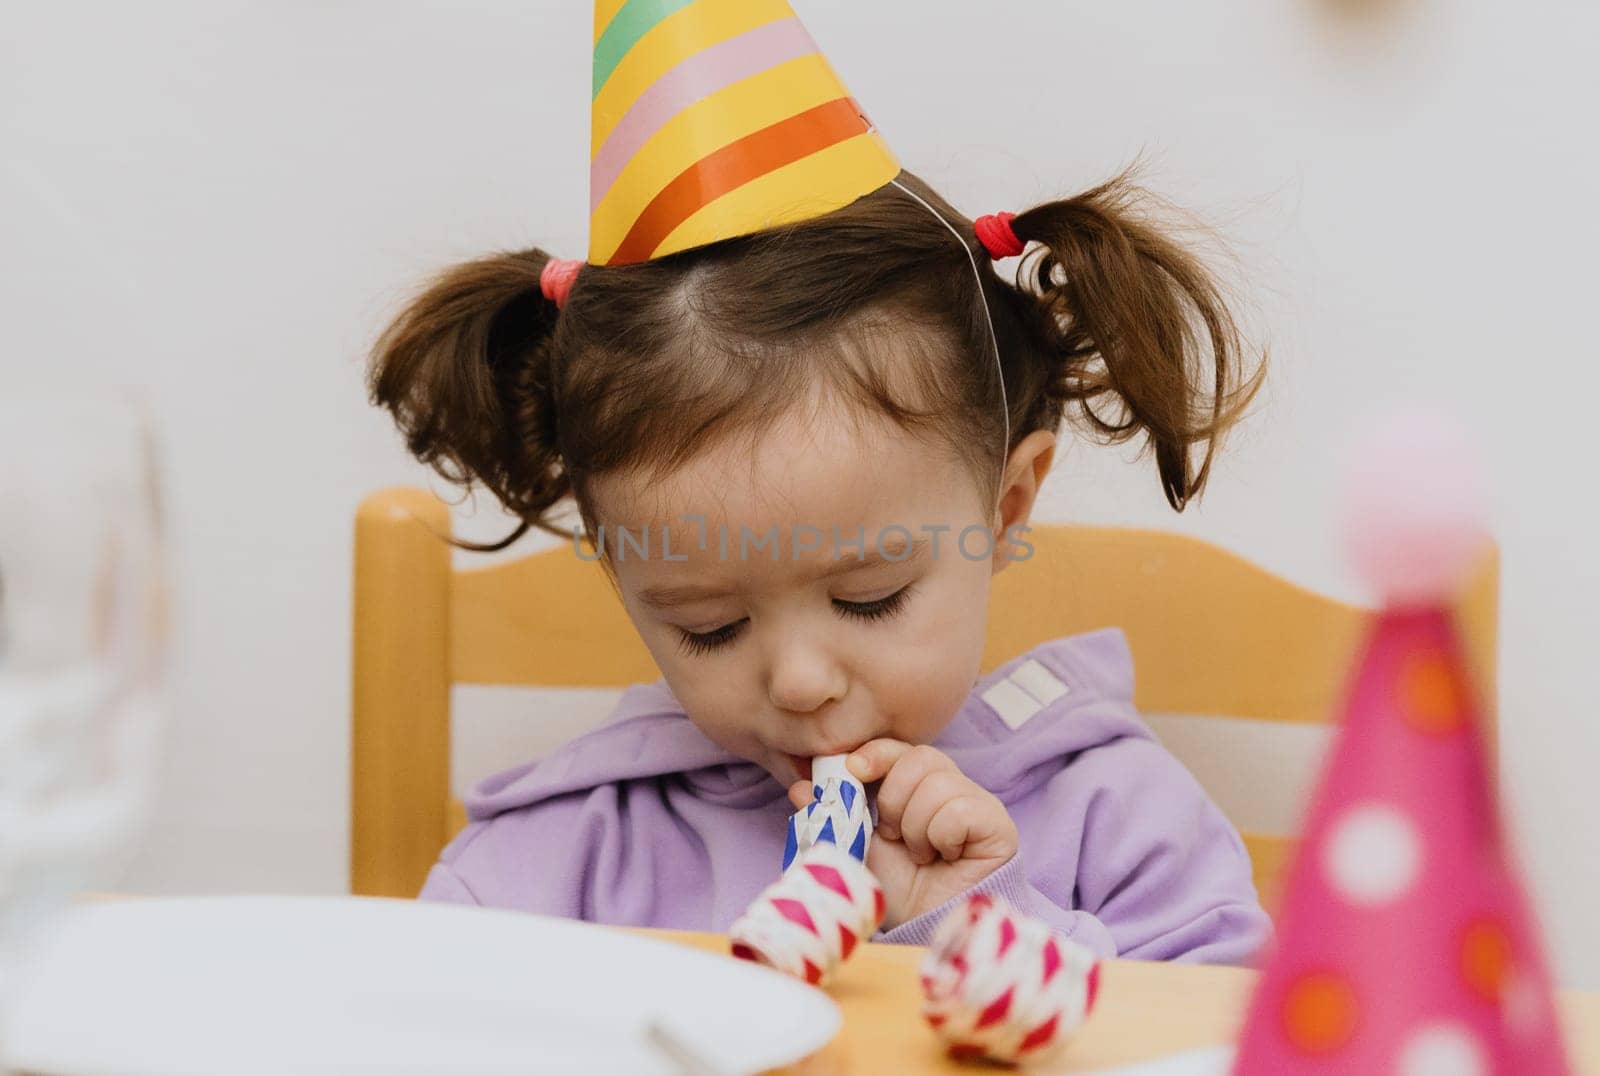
[646, 364]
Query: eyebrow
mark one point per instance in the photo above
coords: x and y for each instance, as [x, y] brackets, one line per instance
[680, 593]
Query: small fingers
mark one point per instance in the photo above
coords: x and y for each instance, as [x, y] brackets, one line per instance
[875, 758]
[901, 783]
[800, 794]
[935, 792]
[952, 825]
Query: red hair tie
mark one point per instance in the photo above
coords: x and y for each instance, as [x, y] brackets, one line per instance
[994, 232]
[556, 278]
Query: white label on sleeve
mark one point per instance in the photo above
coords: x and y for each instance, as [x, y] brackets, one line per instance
[1013, 704]
[1038, 681]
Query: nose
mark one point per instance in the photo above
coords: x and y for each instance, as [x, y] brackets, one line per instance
[804, 675]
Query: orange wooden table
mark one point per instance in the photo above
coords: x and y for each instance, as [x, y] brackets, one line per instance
[1144, 1011]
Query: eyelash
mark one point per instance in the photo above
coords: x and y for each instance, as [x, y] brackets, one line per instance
[706, 642]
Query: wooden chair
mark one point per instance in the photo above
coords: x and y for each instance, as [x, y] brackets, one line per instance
[1212, 635]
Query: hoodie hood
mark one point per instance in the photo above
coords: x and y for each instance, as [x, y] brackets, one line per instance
[1021, 718]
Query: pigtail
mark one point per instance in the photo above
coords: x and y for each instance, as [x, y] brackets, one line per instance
[1131, 315]
[465, 371]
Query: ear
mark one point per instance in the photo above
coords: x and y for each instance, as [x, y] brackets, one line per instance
[1025, 470]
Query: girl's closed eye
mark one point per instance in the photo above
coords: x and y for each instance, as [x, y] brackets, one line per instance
[877, 609]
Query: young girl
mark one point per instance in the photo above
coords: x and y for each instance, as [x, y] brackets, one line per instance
[804, 440]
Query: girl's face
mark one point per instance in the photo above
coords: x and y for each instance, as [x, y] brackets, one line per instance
[783, 645]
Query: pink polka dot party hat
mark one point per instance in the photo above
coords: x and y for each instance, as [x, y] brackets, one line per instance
[1405, 943]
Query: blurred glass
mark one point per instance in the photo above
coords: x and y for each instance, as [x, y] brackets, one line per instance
[82, 650]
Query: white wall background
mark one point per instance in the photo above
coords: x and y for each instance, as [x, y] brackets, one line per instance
[219, 203]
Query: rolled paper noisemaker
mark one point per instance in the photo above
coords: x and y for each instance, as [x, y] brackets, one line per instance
[837, 813]
[808, 922]
[1001, 985]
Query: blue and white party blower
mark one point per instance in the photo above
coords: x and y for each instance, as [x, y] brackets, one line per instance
[837, 813]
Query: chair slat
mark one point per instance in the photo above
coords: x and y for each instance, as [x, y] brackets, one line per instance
[400, 692]
[547, 620]
[1270, 857]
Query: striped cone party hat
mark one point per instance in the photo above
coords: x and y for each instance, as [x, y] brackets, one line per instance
[713, 119]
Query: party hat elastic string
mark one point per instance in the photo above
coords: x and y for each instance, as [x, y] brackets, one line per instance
[994, 341]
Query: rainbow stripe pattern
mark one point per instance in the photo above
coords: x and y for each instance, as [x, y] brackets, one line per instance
[713, 119]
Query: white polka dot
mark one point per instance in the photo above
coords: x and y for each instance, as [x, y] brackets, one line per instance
[1442, 1050]
[1373, 854]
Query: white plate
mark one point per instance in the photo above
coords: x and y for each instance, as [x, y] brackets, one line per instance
[235, 986]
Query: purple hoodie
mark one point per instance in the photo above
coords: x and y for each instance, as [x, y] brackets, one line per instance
[645, 822]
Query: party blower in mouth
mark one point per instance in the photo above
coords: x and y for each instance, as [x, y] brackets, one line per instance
[809, 921]
[837, 814]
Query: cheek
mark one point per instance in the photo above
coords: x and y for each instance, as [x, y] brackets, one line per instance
[925, 683]
[715, 706]
[924, 703]
[709, 688]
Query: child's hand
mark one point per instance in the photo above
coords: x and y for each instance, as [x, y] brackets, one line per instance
[939, 832]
